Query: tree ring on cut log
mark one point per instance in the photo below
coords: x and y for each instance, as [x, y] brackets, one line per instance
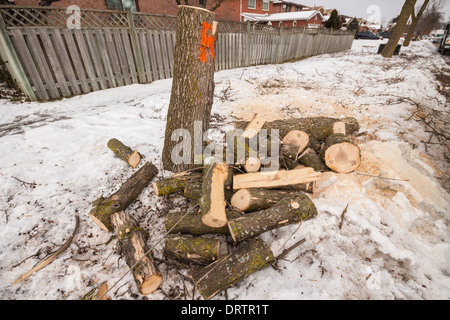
[241, 199]
[343, 157]
[252, 164]
[298, 138]
[150, 284]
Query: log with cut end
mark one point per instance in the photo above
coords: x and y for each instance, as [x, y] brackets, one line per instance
[318, 128]
[250, 257]
[132, 157]
[212, 203]
[103, 208]
[98, 293]
[289, 210]
[193, 190]
[192, 249]
[272, 179]
[249, 200]
[133, 247]
[243, 151]
[253, 126]
[310, 158]
[298, 138]
[174, 183]
[341, 155]
[191, 223]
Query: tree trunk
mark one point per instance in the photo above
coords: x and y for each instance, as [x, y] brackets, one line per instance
[249, 200]
[318, 128]
[124, 152]
[103, 208]
[311, 159]
[212, 203]
[226, 272]
[191, 223]
[274, 179]
[192, 249]
[415, 19]
[407, 9]
[289, 210]
[193, 85]
[133, 247]
[341, 154]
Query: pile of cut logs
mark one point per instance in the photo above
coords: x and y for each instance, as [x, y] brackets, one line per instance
[239, 200]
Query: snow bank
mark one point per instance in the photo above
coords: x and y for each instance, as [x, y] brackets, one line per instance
[394, 240]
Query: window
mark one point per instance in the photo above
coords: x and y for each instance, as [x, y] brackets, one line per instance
[294, 24]
[252, 4]
[287, 7]
[265, 5]
[121, 5]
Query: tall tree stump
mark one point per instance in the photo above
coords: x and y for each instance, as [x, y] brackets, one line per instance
[192, 87]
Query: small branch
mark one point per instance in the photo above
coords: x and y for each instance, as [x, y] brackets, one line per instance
[32, 184]
[379, 177]
[342, 216]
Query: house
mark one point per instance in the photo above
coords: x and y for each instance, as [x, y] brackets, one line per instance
[308, 19]
[287, 6]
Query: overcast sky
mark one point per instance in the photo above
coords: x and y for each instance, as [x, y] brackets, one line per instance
[366, 9]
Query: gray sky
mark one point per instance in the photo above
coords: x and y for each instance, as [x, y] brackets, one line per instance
[388, 9]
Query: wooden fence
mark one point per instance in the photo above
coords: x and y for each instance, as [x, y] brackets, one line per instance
[49, 60]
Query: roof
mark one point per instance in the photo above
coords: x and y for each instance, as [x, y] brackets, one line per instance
[284, 16]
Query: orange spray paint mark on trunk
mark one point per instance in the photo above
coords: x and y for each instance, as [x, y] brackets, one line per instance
[207, 42]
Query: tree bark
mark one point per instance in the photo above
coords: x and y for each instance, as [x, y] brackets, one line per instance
[311, 159]
[133, 247]
[415, 19]
[133, 158]
[226, 272]
[318, 128]
[191, 223]
[193, 190]
[342, 155]
[103, 208]
[250, 200]
[407, 9]
[289, 210]
[192, 249]
[174, 183]
[193, 84]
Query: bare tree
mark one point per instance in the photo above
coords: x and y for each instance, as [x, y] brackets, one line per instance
[202, 4]
[432, 18]
[407, 9]
[414, 20]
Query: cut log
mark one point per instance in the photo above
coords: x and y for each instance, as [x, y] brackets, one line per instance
[310, 158]
[249, 200]
[212, 203]
[192, 249]
[339, 127]
[132, 157]
[342, 155]
[318, 128]
[192, 92]
[98, 293]
[193, 190]
[289, 210]
[103, 208]
[234, 267]
[253, 127]
[274, 179]
[243, 151]
[173, 184]
[191, 223]
[133, 247]
[297, 138]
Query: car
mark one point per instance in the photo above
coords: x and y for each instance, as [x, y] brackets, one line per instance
[385, 35]
[437, 38]
[367, 35]
[444, 46]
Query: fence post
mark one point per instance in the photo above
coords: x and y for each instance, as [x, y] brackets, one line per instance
[136, 48]
[248, 44]
[15, 66]
[280, 35]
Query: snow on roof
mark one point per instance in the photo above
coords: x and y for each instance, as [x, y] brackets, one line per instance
[284, 16]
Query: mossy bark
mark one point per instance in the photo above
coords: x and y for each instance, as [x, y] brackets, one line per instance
[193, 82]
[310, 158]
[192, 249]
[103, 208]
[133, 247]
[318, 128]
[234, 267]
[174, 184]
[289, 210]
[130, 156]
[250, 200]
[193, 190]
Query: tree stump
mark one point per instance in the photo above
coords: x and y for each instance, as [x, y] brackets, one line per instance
[103, 208]
[133, 247]
[234, 267]
[193, 84]
[291, 209]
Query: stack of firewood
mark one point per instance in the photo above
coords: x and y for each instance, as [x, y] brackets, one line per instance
[241, 199]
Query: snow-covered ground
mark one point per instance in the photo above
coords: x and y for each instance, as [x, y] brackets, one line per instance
[394, 242]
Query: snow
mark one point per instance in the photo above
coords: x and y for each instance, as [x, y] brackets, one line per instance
[394, 241]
